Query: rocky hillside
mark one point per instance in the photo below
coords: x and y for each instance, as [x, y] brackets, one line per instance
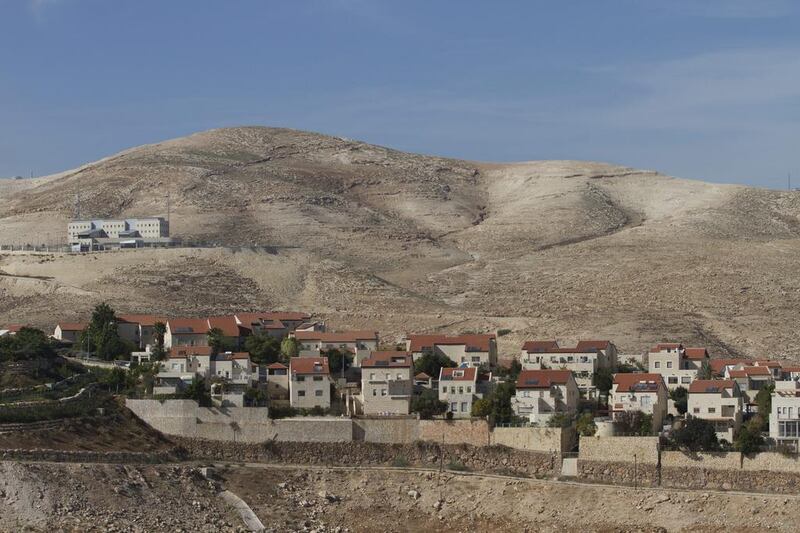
[365, 235]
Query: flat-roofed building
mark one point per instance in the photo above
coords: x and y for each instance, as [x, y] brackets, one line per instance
[387, 383]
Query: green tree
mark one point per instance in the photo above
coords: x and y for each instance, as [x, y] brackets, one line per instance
[27, 344]
[338, 361]
[749, 439]
[159, 331]
[481, 408]
[101, 335]
[497, 404]
[428, 404]
[559, 420]
[255, 397]
[115, 380]
[217, 340]
[264, 349]
[289, 348]
[764, 403]
[198, 392]
[603, 379]
[705, 371]
[585, 425]
[696, 435]
[681, 398]
[431, 363]
[634, 423]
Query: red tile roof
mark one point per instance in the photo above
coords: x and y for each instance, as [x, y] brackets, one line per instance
[768, 363]
[228, 325]
[458, 374]
[592, 346]
[750, 371]
[472, 342]
[188, 326]
[539, 346]
[73, 326]
[228, 356]
[309, 365]
[794, 369]
[14, 328]
[391, 358]
[342, 336]
[142, 320]
[718, 365]
[183, 351]
[711, 386]
[277, 366]
[666, 346]
[542, 379]
[291, 316]
[637, 382]
[696, 353]
[422, 375]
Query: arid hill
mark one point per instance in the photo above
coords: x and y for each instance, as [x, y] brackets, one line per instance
[369, 236]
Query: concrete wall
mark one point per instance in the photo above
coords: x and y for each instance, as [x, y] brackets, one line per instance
[386, 430]
[619, 449]
[534, 438]
[474, 432]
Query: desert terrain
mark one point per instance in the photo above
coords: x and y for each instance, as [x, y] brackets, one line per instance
[365, 236]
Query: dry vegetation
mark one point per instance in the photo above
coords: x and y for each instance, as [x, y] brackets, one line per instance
[367, 236]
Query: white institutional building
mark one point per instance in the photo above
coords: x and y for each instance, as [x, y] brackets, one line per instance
[122, 233]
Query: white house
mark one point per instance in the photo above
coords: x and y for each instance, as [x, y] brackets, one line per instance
[541, 394]
[69, 331]
[460, 387]
[784, 420]
[583, 360]
[751, 379]
[679, 366]
[720, 402]
[640, 392]
[358, 343]
[387, 383]
[309, 382]
[474, 349]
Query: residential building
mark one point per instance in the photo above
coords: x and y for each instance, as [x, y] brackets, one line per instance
[583, 360]
[751, 379]
[186, 332]
[387, 383]
[278, 384]
[460, 387]
[138, 328]
[233, 333]
[357, 343]
[309, 382]
[679, 366]
[640, 392]
[784, 420]
[541, 394]
[182, 366]
[473, 349]
[720, 367]
[11, 329]
[276, 324]
[790, 373]
[423, 380]
[775, 367]
[720, 402]
[69, 331]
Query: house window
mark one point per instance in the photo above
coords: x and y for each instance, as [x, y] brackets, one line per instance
[712, 410]
[301, 378]
[526, 394]
[318, 393]
[469, 389]
[669, 364]
[686, 379]
[672, 380]
[383, 392]
[399, 376]
[372, 376]
[657, 364]
[463, 407]
[452, 390]
[461, 390]
[454, 406]
[301, 393]
[317, 378]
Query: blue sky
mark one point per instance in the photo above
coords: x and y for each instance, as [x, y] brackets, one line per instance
[706, 89]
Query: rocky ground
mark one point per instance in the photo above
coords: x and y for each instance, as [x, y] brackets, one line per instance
[319, 499]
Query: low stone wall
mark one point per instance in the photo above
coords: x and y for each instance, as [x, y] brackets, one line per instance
[763, 472]
[556, 440]
[386, 430]
[83, 456]
[619, 473]
[419, 454]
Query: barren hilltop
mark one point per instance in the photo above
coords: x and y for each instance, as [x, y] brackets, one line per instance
[368, 236]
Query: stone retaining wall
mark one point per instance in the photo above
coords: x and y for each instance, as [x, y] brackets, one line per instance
[83, 456]
[419, 454]
[534, 438]
[619, 473]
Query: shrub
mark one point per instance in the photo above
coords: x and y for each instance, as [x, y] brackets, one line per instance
[457, 465]
[697, 435]
[585, 425]
[400, 462]
[503, 332]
